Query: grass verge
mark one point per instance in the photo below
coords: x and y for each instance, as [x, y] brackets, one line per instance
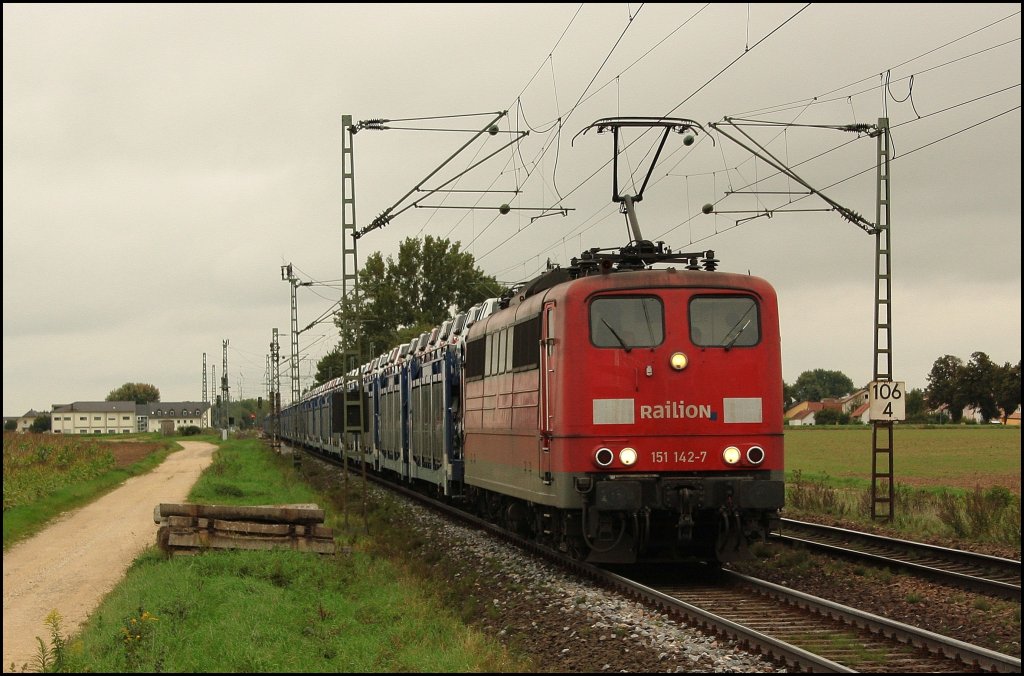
[277, 611]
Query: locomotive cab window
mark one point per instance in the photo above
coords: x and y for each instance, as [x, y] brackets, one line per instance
[724, 321]
[627, 321]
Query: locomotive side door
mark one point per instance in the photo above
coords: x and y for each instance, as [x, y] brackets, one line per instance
[548, 367]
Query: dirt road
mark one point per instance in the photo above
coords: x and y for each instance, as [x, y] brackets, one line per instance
[79, 558]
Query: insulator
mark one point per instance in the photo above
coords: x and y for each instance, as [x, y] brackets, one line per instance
[376, 124]
[691, 264]
[710, 264]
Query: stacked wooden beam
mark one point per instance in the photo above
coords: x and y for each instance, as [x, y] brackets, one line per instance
[187, 528]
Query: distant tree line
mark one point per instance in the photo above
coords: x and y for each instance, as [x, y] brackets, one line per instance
[817, 385]
[993, 390]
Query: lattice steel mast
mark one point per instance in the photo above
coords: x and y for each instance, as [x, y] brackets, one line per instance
[352, 356]
[224, 388]
[882, 481]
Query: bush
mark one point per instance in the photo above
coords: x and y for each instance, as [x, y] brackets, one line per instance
[41, 424]
[830, 416]
[992, 515]
[814, 496]
[189, 431]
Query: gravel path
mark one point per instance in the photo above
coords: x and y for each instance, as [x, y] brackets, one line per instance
[79, 558]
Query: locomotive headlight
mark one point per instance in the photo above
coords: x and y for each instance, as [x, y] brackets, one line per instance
[731, 455]
[603, 457]
[755, 455]
[627, 456]
[678, 361]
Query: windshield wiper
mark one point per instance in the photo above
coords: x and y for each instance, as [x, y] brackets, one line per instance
[737, 336]
[726, 343]
[617, 336]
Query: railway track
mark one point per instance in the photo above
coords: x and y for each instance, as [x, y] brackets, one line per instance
[978, 572]
[804, 632]
[815, 634]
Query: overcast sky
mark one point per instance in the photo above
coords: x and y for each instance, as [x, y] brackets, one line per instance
[162, 162]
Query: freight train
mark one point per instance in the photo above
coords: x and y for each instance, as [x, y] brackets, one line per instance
[612, 409]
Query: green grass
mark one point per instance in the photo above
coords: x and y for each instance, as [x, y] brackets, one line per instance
[265, 612]
[279, 611]
[954, 456]
[244, 472]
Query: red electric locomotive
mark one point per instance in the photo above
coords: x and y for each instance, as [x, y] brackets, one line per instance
[633, 415]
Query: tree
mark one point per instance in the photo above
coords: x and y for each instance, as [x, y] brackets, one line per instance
[140, 393]
[10, 425]
[993, 390]
[420, 288]
[831, 416]
[375, 318]
[788, 397]
[330, 366]
[917, 411]
[41, 423]
[246, 413]
[1006, 388]
[979, 385]
[821, 384]
[945, 386]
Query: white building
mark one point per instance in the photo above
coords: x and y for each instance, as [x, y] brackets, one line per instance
[94, 417]
[124, 417]
[170, 416]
